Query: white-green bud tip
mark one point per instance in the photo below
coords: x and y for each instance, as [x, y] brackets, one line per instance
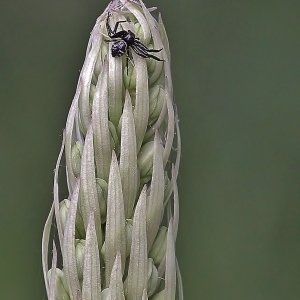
[118, 226]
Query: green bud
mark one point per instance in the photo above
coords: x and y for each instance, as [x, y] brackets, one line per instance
[105, 294]
[145, 160]
[152, 277]
[63, 211]
[157, 100]
[92, 90]
[61, 291]
[102, 197]
[79, 249]
[115, 142]
[159, 296]
[76, 157]
[139, 32]
[79, 227]
[158, 249]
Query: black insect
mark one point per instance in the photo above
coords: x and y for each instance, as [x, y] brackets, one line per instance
[124, 39]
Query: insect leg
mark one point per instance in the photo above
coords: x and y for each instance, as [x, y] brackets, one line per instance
[117, 24]
[128, 59]
[140, 45]
[143, 53]
[111, 40]
[111, 33]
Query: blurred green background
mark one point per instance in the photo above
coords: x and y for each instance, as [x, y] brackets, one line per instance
[236, 75]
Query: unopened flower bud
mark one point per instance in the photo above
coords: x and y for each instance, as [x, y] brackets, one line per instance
[76, 157]
[152, 277]
[60, 291]
[145, 161]
[79, 249]
[157, 101]
[102, 197]
[118, 226]
[63, 211]
[158, 249]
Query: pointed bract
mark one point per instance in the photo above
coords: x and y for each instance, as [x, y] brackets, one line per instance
[128, 158]
[155, 200]
[137, 269]
[116, 284]
[170, 283]
[91, 285]
[68, 251]
[88, 189]
[115, 221]
[100, 121]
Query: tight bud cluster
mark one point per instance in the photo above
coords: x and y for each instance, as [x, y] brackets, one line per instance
[118, 225]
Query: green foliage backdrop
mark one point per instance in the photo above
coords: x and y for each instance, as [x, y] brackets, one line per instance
[236, 75]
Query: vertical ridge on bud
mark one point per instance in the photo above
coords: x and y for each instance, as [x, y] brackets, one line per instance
[69, 140]
[115, 220]
[91, 284]
[68, 251]
[141, 108]
[115, 89]
[128, 158]
[137, 269]
[88, 191]
[155, 201]
[84, 114]
[118, 224]
[100, 123]
[116, 288]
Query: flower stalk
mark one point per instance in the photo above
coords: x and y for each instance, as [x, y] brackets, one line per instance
[117, 226]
